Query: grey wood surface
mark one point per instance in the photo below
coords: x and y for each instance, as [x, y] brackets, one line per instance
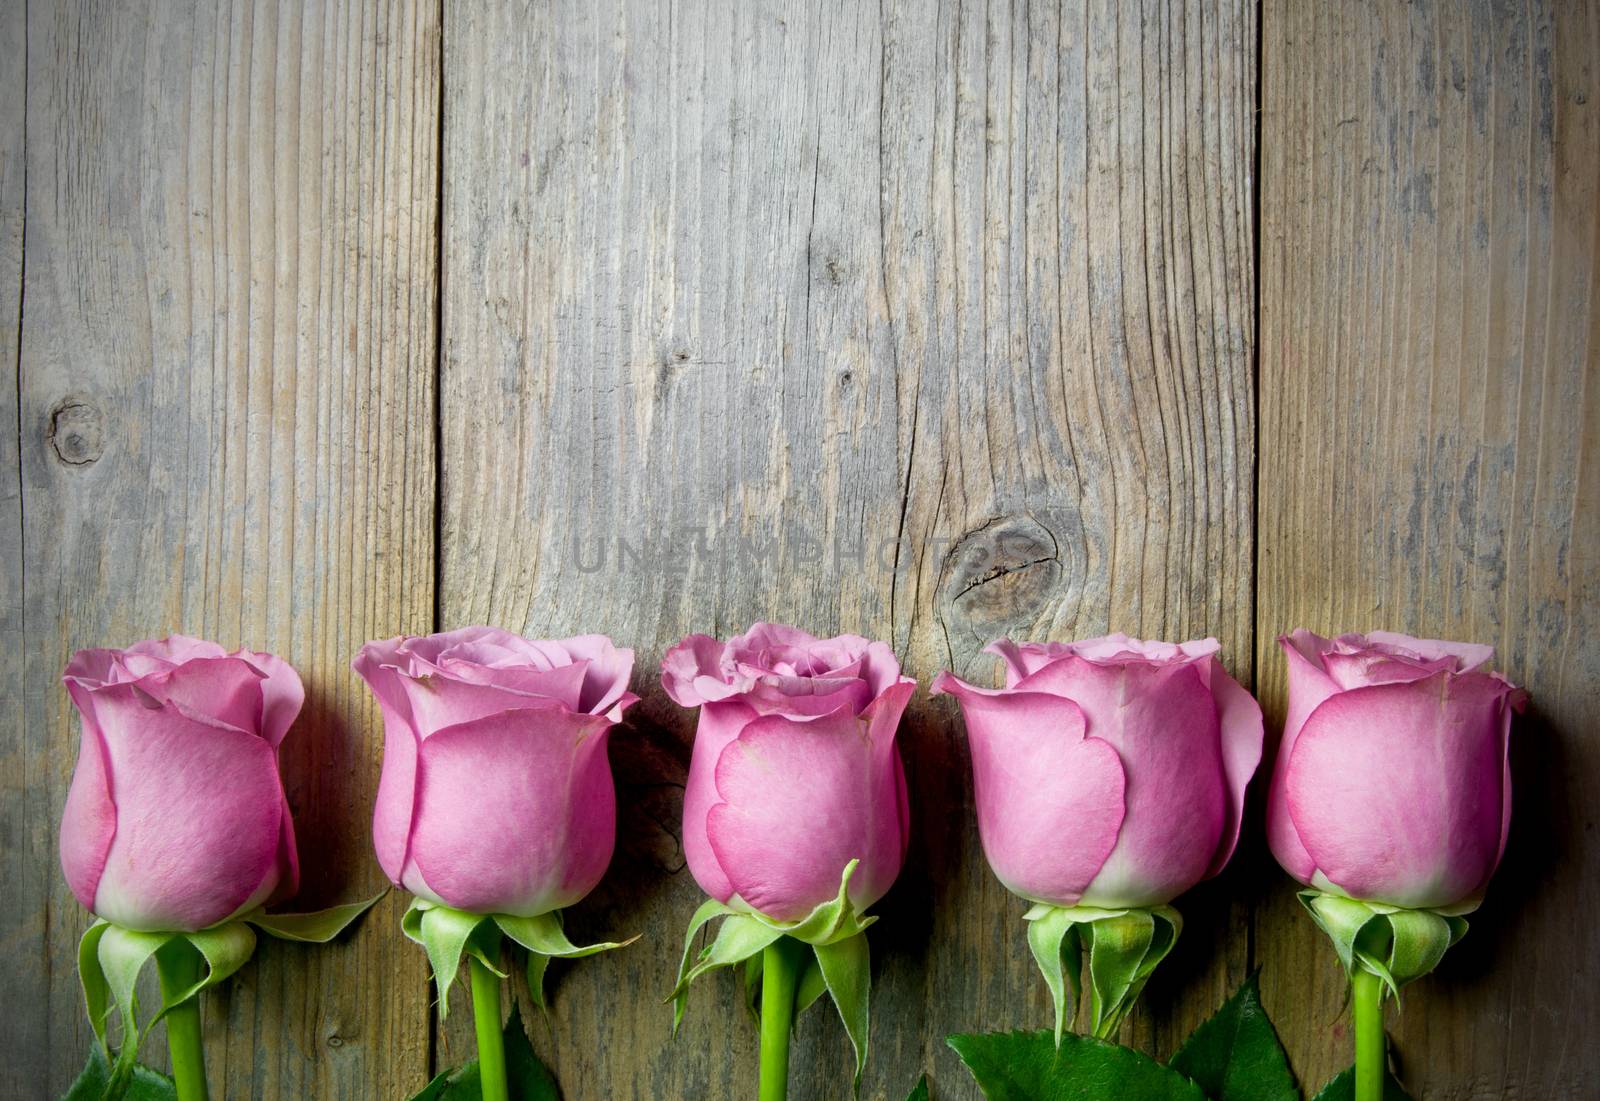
[1430, 457]
[225, 428]
[966, 288]
[931, 320]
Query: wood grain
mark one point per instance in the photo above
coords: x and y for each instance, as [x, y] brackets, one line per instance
[1430, 461]
[226, 428]
[930, 321]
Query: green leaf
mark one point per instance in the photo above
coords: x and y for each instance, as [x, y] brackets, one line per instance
[527, 1079]
[94, 1082]
[1342, 1087]
[1027, 1066]
[317, 927]
[537, 965]
[847, 970]
[920, 1093]
[1236, 1056]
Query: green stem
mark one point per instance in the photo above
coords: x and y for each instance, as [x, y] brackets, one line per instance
[780, 975]
[1367, 999]
[491, 1039]
[179, 968]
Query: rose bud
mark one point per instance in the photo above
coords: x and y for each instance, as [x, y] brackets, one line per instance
[1392, 783]
[496, 793]
[176, 819]
[1109, 777]
[1390, 800]
[795, 817]
[794, 771]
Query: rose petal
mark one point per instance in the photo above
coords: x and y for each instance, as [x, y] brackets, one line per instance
[1239, 716]
[497, 827]
[801, 798]
[697, 659]
[1049, 798]
[1396, 790]
[89, 819]
[1163, 723]
[720, 723]
[198, 807]
[282, 694]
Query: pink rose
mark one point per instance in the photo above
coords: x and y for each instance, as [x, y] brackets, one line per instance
[496, 794]
[1109, 773]
[795, 771]
[176, 819]
[1392, 783]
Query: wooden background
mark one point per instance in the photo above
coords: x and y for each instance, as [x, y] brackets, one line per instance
[933, 320]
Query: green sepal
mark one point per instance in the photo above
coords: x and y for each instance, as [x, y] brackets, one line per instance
[92, 977]
[545, 939]
[1393, 943]
[1124, 947]
[834, 920]
[1053, 938]
[317, 927]
[846, 967]
[223, 949]
[121, 955]
[811, 986]
[1123, 952]
[679, 997]
[446, 934]
[745, 933]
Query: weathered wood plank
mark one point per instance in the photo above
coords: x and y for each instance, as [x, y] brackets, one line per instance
[874, 286]
[1430, 419]
[26, 869]
[226, 428]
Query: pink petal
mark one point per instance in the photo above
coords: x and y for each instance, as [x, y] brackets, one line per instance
[1397, 790]
[440, 700]
[697, 659]
[198, 807]
[719, 724]
[1242, 736]
[1162, 722]
[282, 694]
[1049, 798]
[226, 689]
[1309, 685]
[397, 783]
[497, 828]
[801, 798]
[1467, 655]
[606, 675]
[89, 819]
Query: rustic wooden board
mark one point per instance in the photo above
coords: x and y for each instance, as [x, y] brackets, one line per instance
[873, 288]
[226, 428]
[1430, 460]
